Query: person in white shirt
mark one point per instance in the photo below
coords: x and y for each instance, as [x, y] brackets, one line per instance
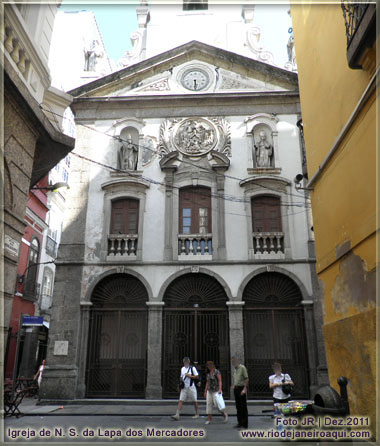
[189, 375]
[276, 382]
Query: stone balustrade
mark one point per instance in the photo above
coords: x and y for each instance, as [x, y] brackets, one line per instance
[12, 45]
[195, 244]
[122, 245]
[268, 242]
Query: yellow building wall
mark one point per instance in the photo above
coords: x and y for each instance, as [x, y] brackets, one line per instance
[343, 199]
[329, 89]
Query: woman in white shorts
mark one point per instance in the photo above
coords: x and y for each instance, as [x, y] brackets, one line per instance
[213, 391]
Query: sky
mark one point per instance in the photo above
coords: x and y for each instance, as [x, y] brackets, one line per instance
[116, 22]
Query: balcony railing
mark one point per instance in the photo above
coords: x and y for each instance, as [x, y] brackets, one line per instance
[122, 245]
[195, 244]
[360, 21]
[268, 242]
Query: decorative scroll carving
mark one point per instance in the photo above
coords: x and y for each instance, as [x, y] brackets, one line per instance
[253, 38]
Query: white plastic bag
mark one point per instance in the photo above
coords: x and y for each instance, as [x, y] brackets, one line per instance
[220, 404]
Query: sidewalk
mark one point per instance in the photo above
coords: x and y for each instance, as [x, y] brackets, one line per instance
[32, 407]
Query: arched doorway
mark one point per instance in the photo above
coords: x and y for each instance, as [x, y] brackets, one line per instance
[116, 362]
[196, 325]
[274, 330]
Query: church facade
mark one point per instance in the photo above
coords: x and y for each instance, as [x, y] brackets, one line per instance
[185, 234]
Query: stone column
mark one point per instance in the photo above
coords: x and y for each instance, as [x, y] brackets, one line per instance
[169, 181]
[154, 363]
[235, 309]
[85, 322]
[221, 213]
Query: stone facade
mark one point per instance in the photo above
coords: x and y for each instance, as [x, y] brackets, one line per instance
[33, 141]
[201, 139]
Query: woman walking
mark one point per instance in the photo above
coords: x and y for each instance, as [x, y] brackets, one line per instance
[213, 392]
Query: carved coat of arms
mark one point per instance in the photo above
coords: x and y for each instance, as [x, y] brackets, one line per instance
[195, 137]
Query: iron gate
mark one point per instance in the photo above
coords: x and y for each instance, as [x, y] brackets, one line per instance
[116, 365]
[275, 335]
[201, 334]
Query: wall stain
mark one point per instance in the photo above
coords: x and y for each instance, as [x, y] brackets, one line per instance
[354, 286]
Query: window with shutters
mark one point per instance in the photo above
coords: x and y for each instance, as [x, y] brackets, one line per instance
[122, 240]
[124, 217]
[267, 225]
[195, 234]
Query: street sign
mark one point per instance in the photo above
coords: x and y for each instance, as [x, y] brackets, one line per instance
[32, 321]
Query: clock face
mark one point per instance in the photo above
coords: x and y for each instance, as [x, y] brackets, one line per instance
[195, 79]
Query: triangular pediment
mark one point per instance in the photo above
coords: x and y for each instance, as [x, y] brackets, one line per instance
[191, 68]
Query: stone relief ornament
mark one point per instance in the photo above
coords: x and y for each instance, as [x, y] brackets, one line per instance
[195, 137]
[161, 85]
[148, 150]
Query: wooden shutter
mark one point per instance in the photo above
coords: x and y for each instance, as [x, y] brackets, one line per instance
[266, 214]
[195, 210]
[125, 216]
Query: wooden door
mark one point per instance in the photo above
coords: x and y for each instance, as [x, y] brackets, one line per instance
[266, 214]
[124, 216]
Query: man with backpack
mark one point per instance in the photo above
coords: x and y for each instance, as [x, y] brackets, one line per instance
[187, 386]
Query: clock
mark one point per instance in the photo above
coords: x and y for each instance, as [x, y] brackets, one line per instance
[195, 79]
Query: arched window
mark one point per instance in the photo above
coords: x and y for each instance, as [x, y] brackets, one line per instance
[47, 283]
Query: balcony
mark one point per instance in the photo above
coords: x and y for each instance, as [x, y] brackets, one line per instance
[122, 246]
[195, 246]
[360, 21]
[268, 244]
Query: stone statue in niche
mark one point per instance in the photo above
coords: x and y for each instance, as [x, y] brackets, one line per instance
[91, 53]
[263, 150]
[128, 154]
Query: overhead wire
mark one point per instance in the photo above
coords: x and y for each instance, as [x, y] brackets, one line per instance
[116, 137]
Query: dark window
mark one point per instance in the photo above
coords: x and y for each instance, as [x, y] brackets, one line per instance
[194, 5]
[125, 216]
[266, 214]
[31, 288]
[195, 210]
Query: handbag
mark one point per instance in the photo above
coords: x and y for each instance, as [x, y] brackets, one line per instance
[220, 401]
[287, 388]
